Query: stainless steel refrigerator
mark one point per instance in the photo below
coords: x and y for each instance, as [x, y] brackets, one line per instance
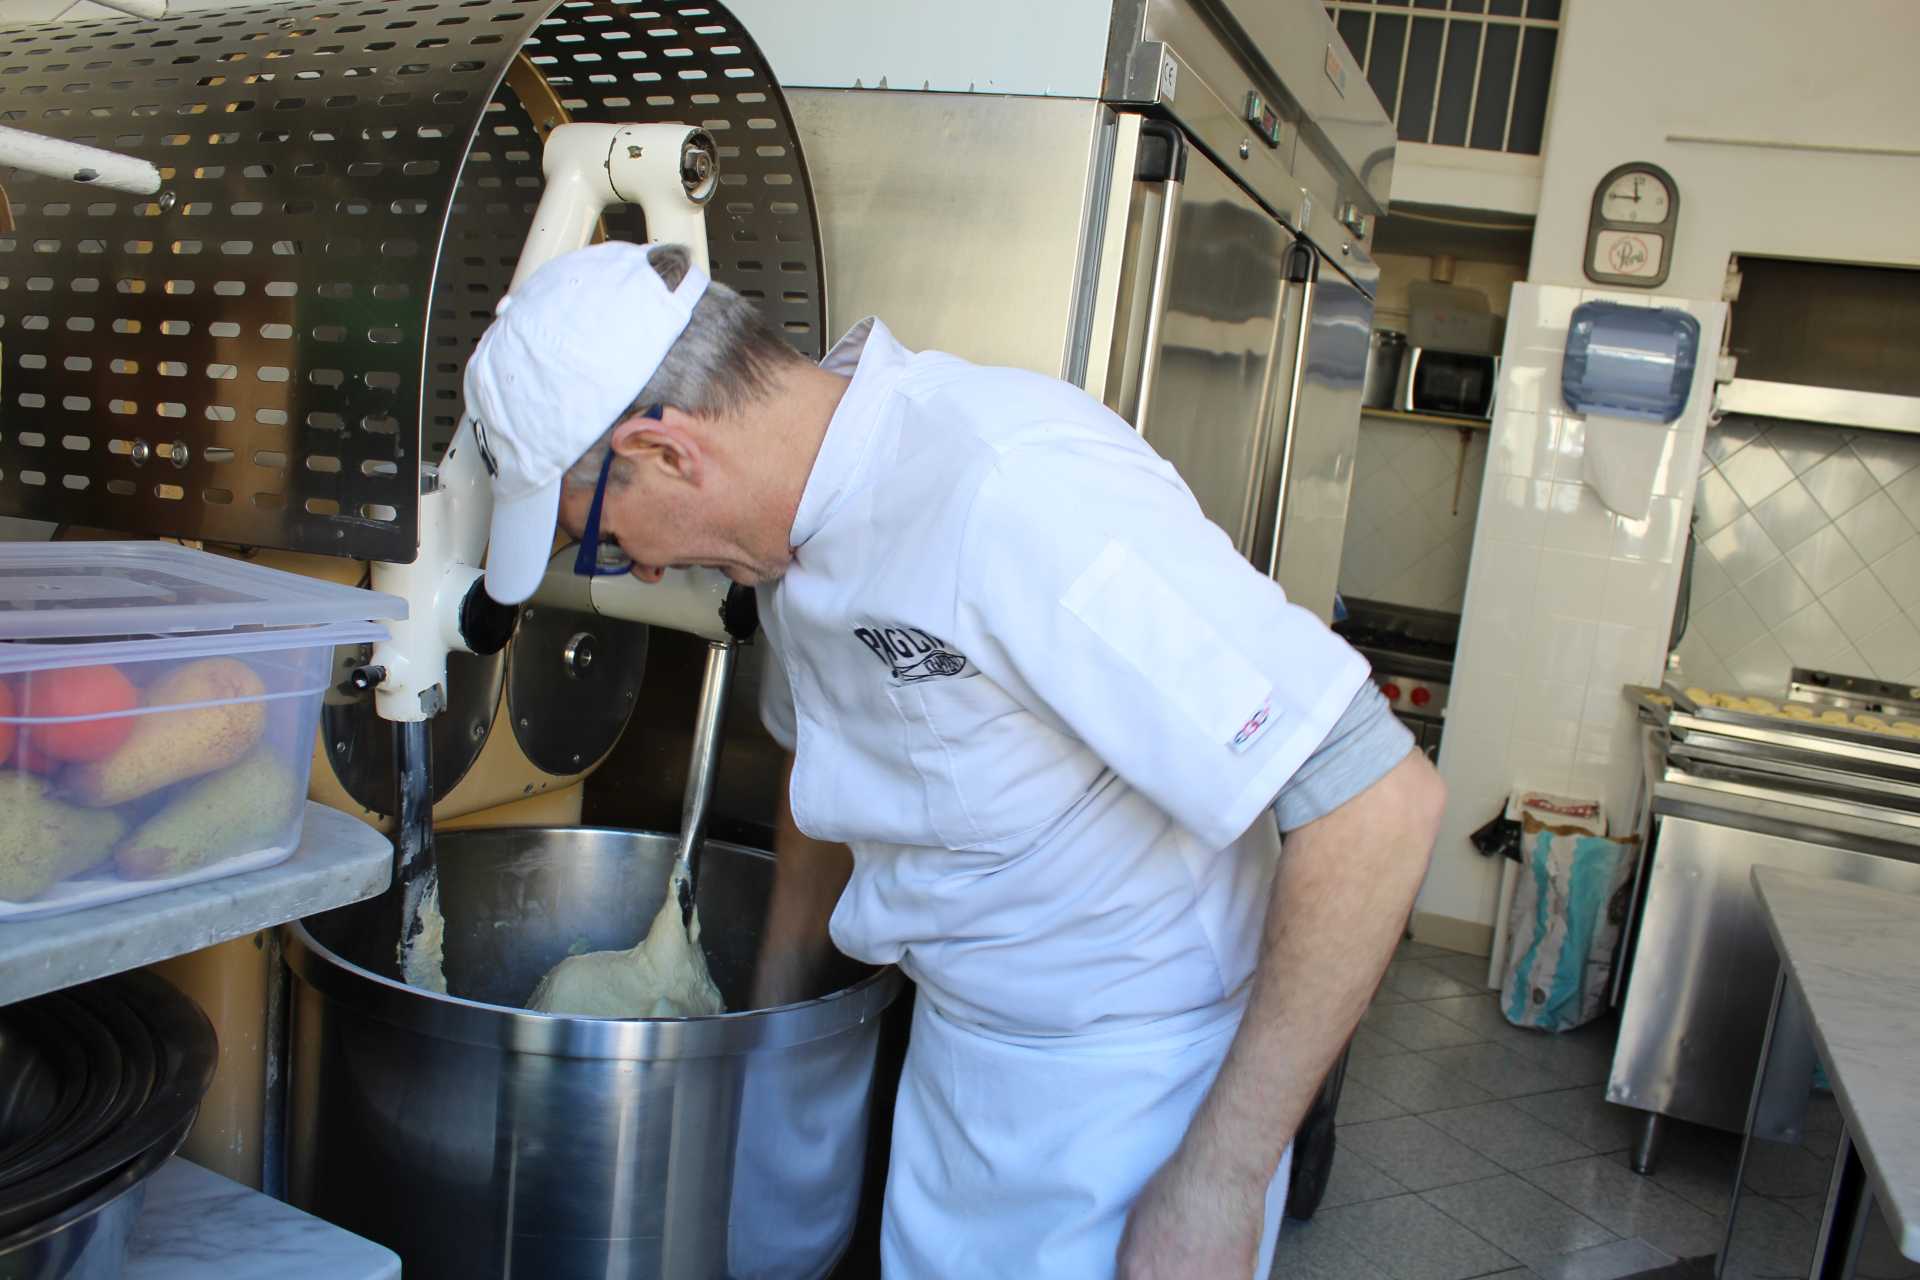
[1197, 258]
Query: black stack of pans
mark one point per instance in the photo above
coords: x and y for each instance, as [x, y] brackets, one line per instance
[98, 1087]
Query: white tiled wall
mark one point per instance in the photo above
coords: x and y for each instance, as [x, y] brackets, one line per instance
[1565, 600]
[1408, 536]
[1809, 555]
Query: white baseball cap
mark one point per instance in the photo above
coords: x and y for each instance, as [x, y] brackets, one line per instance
[565, 356]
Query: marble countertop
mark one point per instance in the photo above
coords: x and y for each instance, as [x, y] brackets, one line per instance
[340, 860]
[1854, 952]
[197, 1224]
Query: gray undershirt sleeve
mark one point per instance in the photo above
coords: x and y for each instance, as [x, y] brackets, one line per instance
[1363, 745]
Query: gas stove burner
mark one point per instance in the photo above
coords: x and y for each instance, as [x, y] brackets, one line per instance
[1397, 642]
[1400, 629]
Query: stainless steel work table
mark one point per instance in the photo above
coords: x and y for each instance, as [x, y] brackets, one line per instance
[1849, 983]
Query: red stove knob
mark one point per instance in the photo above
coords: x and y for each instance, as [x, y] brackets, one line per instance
[1421, 697]
[1390, 691]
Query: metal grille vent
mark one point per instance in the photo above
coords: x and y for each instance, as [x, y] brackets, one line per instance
[259, 362]
[1460, 73]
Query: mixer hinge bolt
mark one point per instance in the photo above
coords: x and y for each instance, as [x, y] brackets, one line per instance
[578, 654]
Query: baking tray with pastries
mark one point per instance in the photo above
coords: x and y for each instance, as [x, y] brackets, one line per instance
[1814, 715]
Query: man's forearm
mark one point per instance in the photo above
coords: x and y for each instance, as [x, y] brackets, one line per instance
[808, 878]
[1340, 899]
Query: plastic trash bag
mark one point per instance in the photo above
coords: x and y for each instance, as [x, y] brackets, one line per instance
[1569, 905]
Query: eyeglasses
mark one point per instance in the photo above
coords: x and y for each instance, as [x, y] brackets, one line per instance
[597, 558]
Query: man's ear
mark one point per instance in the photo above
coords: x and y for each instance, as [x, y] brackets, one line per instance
[668, 445]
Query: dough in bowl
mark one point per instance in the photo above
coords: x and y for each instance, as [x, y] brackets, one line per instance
[663, 977]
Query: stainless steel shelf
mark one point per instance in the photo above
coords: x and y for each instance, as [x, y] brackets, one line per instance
[340, 860]
[1429, 419]
[1830, 405]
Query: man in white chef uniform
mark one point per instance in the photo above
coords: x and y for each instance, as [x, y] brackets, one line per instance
[1053, 715]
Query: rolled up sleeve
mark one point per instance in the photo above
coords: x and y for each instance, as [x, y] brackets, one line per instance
[1362, 747]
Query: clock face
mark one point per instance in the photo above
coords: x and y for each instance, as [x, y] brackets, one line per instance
[1631, 226]
[1635, 197]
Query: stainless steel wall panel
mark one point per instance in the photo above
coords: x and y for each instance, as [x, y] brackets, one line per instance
[959, 219]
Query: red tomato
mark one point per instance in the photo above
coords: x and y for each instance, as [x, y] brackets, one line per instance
[7, 731]
[81, 691]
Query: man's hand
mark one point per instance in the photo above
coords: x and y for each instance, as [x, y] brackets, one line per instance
[1191, 1222]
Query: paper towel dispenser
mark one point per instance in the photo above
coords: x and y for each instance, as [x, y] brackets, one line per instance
[1629, 362]
[1628, 370]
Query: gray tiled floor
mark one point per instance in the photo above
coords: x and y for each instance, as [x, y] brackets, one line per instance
[1471, 1148]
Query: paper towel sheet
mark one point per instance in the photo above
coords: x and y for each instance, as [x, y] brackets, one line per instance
[1622, 458]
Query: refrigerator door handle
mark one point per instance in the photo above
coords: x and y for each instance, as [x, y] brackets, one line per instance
[1160, 162]
[1157, 308]
[1252, 505]
[1302, 268]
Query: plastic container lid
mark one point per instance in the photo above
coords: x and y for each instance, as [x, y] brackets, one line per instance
[147, 601]
[77, 590]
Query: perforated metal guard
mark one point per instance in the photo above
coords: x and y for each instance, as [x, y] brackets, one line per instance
[645, 64]
[700, 66]
[492, 210]
[258, 364]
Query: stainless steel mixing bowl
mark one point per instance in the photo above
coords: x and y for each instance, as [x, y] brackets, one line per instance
[53, 1076]
[477, 1139]
[71, 1218]
[88, 1240]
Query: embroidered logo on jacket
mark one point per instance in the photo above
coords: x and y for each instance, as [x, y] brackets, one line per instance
[912, 655]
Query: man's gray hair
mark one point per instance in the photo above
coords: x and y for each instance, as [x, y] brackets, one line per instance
[727, 358]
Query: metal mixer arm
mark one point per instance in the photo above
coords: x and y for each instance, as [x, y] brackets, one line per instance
[669, 171]
[700, 602]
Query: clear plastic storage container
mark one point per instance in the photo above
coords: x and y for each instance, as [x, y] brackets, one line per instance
[158, 707]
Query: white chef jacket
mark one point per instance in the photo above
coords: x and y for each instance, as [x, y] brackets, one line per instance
[1044, 701]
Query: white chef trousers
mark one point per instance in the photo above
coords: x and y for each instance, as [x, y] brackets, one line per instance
[1112, 1110]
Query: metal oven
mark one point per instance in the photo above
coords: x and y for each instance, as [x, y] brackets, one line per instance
[1412, 655]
